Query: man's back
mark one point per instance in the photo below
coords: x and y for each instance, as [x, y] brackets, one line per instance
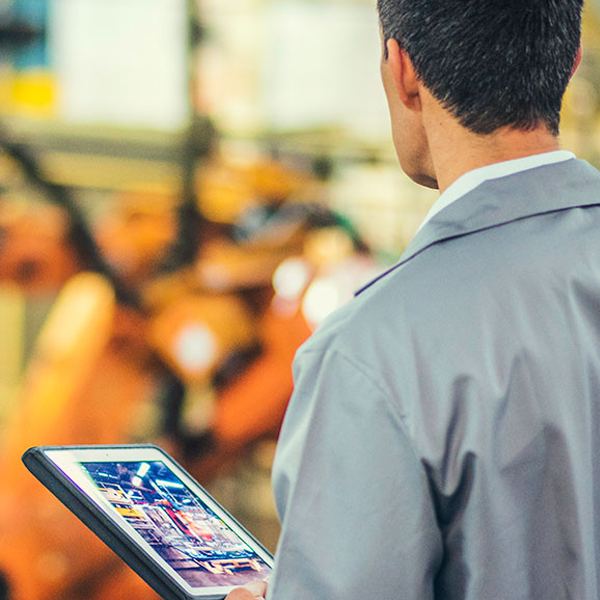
[441, 441]
[466, 455]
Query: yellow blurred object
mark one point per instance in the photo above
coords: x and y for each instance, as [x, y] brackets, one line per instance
[34, 93]
[195, 333]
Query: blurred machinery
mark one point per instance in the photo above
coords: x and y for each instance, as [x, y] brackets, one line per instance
[175, 321]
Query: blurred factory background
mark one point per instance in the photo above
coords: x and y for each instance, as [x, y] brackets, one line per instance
[187, 188]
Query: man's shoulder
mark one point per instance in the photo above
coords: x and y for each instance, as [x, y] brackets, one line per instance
[455, 274]
[381, 316]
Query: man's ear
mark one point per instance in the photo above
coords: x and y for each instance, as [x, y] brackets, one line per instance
[577, 59]
[404, 74]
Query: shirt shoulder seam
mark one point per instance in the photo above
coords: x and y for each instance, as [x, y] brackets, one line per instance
[383, 389]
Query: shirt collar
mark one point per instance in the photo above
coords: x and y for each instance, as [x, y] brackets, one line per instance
[501, 200]
[469, 181]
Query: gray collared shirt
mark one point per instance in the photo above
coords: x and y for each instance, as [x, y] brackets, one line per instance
[443, 437]
[469, 181]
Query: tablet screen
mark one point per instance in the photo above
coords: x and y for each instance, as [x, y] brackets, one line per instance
[169, 516]
[178, 526]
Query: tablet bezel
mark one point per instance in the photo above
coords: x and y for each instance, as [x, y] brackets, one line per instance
[68, 460]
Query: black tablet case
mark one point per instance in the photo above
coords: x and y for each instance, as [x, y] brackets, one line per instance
[78, 503]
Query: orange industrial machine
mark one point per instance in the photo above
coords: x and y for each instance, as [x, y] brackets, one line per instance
[78, 389]
[195, 355]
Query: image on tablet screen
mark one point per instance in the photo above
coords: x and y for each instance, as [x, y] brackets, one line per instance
[181, 529]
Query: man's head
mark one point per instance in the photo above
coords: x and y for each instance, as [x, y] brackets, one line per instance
[491, 64]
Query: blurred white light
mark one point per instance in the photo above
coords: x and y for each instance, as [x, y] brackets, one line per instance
[321, 299]
[195, 347]
[137, 481]
[291, 278]
[337, 287]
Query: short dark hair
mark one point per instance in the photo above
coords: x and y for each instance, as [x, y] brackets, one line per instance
[491, 63]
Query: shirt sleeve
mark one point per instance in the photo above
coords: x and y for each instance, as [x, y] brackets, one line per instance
[356, 515]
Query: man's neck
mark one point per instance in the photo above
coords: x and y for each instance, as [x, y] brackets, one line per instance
[456, 151]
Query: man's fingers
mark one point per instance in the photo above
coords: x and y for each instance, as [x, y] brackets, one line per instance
[255, 590]
[258, 588]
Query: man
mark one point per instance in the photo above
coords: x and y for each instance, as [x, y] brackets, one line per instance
[443, 440]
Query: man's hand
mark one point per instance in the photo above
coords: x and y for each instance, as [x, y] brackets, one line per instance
[256, 590]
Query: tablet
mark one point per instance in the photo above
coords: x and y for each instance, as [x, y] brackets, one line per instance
[155, 516]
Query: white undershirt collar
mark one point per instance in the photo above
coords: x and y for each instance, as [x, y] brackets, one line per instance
[469, 181]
